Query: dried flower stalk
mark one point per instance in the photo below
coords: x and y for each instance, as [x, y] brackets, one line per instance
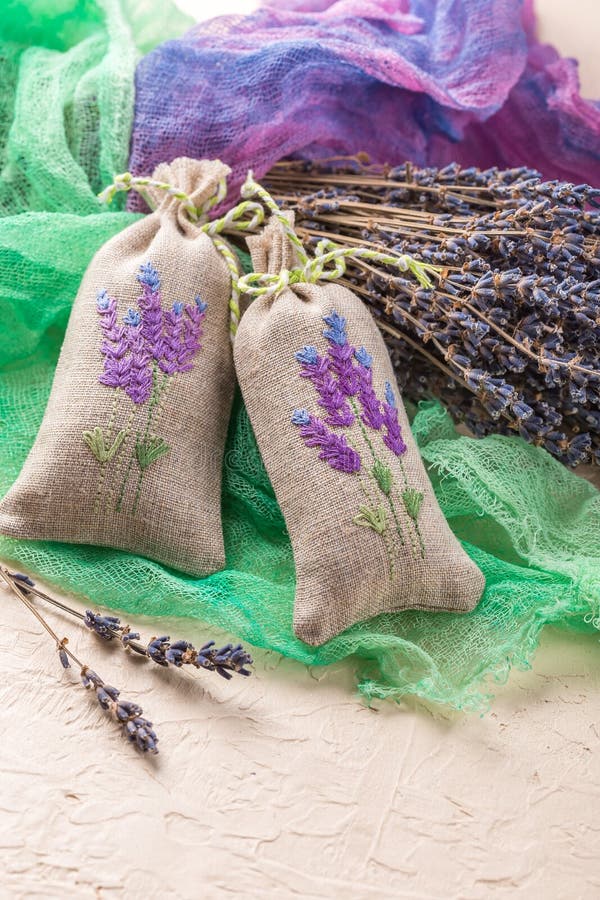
[509, 336]
[225, 661]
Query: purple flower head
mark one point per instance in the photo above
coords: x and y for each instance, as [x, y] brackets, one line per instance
[393, 439]
[150, 335]
[371, 407]
[116, 373]
[336, 333]
[390, 397]
[344, 382]
[308, 356]
[341, 358]
[150, 304]
[149, 277]
[332, 397]
[334, 448]
[114, 347]
[102, 300]
[363, 357]
[132, 317]
[300, 417]
[182, 334]
[140, 383]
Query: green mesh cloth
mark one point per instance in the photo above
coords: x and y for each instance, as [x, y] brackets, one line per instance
[66, 96]
[532, 526]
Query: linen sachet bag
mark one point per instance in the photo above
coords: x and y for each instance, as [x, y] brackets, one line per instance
[130, 449]
[367, 533]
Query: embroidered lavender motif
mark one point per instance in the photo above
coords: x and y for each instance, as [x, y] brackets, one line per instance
[141, 356]
[343, 379]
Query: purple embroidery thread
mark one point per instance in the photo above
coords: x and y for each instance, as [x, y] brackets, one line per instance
[334, 448]
[343, 379]
[149, 342]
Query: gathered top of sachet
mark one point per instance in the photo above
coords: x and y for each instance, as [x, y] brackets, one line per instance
[271, 250]
[367, 533]
[200, 184]
[129, 453]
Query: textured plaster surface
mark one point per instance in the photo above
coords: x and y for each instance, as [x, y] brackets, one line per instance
[284, 786]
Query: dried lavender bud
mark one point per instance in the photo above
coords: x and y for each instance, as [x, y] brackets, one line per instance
[127, 637]
[104, 626]
[141, 732]
[128, 714]
[25, 579]
[157, 649]
[224, 661]
[509, 338]
[179, 653]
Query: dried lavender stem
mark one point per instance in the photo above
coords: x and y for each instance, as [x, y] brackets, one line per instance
[374, 182]
[161, 650]
[539, 358]
[135, 645]
[5, 575]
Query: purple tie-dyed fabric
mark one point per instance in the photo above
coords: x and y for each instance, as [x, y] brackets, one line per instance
[426, 80]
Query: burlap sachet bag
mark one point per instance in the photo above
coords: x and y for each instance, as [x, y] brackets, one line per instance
[367, 533]
[130, 450]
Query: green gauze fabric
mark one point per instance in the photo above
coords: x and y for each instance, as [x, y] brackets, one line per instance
[529, 524]
[66, 96]
[66, 109]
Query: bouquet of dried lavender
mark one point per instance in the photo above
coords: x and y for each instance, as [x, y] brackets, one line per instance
[509, 334]
[225, 661]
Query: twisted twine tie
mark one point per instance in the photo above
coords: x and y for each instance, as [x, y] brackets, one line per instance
[234, 221]
[315, 269]
[128, 182]
[327, 253]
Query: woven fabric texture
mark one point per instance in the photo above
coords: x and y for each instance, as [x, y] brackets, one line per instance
[130, 450]
[66, 96]
[427, 81]
[531, 526]
[367, 534]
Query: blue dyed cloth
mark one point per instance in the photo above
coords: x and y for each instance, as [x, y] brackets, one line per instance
[427, 80]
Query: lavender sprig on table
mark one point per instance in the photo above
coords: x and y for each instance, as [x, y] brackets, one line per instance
[509, 336]
[126, 713]
[225, 661]
[129, 715]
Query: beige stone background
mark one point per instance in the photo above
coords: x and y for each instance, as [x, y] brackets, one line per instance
[283, 785]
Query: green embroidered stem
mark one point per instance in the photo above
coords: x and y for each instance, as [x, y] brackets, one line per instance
[151, 404]
[151, 447]
[372, 518]
[412, 508]
[413, 500]
[101, 476]
[364, 521]
[377, 467]
[125, 479]
[383, 476]
[119, 460]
